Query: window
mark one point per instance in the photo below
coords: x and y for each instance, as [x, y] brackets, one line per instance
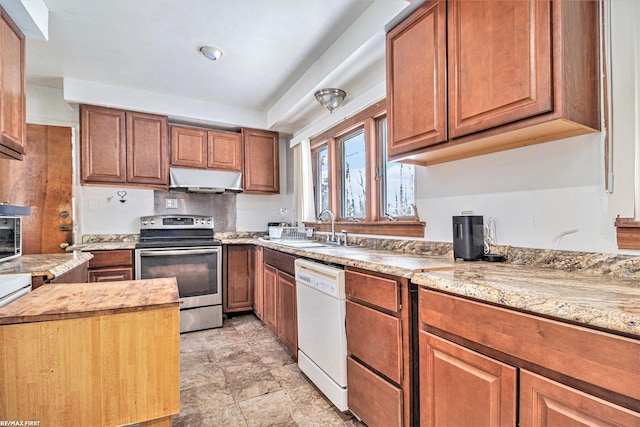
[353, 179]
[354, 176]
[397, 181]
[322, 179]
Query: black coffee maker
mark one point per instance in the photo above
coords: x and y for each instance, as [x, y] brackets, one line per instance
[468, 237]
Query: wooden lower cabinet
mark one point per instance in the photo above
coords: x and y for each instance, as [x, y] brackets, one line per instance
[75, 275]
[544, 403]
[481, 365]
[111, 266]
[269, 301]
[459, 387]
[287, 317]
[277, 306]
[379, 362]
[376, 401]
[239, 277]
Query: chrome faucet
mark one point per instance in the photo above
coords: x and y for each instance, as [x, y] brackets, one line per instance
[331, 238]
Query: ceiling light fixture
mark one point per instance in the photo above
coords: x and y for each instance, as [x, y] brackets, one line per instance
[210, 52]
[330, 98]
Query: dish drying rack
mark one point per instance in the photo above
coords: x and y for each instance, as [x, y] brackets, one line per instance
[290, 233]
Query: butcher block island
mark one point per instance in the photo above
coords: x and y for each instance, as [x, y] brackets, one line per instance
[92, 354]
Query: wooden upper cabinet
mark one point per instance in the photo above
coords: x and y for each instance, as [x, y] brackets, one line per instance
[416, 80]
[499, 63]
[203, 148]
[188, 147]
[147, 149]
[12, 90]
[103, 148]
[224, 150]
[506, 74]
[123, 147]
[261, 161]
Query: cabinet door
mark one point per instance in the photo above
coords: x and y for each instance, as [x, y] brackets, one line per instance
[499, 63]
[261, 161]
[147, 149]
[112, 274]
[103, 146]
[459, 387]
[224, 150]
[287, 311]
[416, 80]
[375, 401]
[240, 273]
[269, 289]
[258, 293]
[12, 90]
[544, 402]
[188, 147]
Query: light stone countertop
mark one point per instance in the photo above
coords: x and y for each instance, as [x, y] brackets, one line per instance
[606, 302]
[597, 290]
[48, 265]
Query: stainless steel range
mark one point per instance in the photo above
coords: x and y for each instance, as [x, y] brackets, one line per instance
[184, 247]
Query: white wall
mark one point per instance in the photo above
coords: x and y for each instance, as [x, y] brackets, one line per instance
[534, 194]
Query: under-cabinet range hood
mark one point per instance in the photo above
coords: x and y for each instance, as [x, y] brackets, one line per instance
[206, 180]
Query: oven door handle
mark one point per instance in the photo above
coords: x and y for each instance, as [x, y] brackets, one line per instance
[181, 252]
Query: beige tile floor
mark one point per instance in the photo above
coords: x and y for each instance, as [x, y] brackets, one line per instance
[240, 375]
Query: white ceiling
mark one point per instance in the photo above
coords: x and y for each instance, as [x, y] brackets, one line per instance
[275, 52]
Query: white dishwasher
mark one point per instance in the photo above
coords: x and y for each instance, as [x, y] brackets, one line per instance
[322, 339]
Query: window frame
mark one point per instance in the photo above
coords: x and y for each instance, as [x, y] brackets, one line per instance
[374, 221]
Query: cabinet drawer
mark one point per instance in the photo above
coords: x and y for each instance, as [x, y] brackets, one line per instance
[111, 274]
[593, 357]
[111, 258]
[378, 291]
[280, 260]
[374, 400]
[376, 339]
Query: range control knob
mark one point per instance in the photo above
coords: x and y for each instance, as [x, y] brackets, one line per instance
[145, 222]
[152, 221]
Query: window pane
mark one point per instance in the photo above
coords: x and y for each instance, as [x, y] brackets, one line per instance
[322, 179]
[398, 193]
[354, 179]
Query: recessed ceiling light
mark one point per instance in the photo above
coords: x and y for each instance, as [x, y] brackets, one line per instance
[210, 52]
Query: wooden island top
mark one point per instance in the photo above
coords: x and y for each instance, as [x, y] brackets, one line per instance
[74, 300]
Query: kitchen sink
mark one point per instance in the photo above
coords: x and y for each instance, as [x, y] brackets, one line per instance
[300, 243]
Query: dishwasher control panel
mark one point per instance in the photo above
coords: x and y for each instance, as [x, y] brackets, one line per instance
[324, 278]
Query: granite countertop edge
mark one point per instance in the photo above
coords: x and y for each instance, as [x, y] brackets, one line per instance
[48, 265]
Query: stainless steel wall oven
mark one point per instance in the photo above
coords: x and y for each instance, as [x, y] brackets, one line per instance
[184, 247]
